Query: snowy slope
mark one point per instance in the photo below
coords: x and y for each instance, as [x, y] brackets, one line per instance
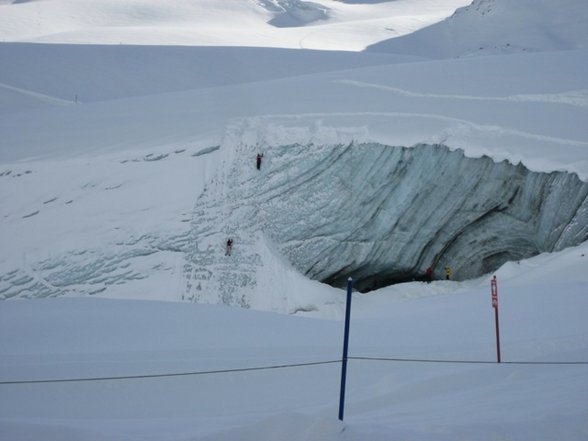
[34, 76]
[322, 24]
[490, 27]
[100, 198]
[80, 338]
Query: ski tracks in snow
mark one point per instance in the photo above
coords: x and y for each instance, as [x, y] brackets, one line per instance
[460, 124]
[573, 98]
[40, 96]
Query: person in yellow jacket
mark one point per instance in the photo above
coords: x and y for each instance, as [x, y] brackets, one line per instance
[448, 272]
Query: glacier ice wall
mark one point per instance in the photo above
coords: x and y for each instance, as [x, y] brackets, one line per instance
[378, 213]
[293, 13]
[327, 209]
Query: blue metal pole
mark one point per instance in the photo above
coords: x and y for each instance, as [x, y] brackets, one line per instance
[345, 348]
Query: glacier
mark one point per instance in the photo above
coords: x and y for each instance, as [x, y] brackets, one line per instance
[327, 204]
[380, 214]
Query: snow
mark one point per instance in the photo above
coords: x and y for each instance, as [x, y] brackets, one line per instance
[108, 143]
[333, 25]
[490, 27]
[86, 337]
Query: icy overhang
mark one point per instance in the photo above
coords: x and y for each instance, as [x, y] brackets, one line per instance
[383, 214]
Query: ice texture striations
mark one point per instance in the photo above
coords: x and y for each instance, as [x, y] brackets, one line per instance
[92, 271]
[327, 208]
[292, 13]
[378, 213]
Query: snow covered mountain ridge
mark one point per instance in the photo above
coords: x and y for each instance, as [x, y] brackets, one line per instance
[479, 27]
[321, 24]
[490, 27]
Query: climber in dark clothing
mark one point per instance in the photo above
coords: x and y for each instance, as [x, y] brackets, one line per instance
[229, 247]
[258, 160]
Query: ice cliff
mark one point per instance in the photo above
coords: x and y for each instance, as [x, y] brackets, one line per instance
[378, 213]
[327, 208]
[292, 13]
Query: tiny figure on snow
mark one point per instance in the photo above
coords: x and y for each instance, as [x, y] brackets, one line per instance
[258, 160]
[229, 247]
[429, 275]
[448, 272]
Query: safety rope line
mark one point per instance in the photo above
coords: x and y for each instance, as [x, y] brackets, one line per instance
[424, 360]
[285, 366]
[179, 374]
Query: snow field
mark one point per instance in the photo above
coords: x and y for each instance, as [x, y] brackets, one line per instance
[212, 23]
[97, 198]
[384, 399]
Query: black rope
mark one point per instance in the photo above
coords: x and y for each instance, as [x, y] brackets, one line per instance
[179, 374]
[424, 360]
[285, 366]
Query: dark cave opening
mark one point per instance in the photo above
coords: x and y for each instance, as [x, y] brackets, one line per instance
[367, 283]
[430, 206]
[383, 214]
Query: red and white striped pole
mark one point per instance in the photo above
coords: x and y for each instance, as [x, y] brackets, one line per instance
[494, 290]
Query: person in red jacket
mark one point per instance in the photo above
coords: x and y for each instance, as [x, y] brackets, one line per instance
[429, 275]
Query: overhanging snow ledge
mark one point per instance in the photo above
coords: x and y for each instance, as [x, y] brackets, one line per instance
[383, 214]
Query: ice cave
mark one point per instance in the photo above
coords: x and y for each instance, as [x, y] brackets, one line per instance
[383, 214]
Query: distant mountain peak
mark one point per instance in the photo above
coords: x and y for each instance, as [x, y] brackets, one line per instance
[491, 27]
